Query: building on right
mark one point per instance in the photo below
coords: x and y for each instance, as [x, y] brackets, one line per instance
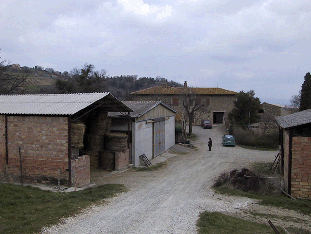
[295, 147]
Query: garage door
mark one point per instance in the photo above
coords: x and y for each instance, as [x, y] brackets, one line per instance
[159, 137]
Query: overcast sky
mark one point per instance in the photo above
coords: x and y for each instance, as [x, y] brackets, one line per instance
[264, 45]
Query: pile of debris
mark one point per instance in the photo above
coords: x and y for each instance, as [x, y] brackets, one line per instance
[244, 180]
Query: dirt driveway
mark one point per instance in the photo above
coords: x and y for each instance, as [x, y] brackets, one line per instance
[170, 200]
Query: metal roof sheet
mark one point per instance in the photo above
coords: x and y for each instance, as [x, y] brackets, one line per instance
[52, 104]
[296, 119]
[139, 108]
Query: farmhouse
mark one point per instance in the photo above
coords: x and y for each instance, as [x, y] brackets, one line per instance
[54, 138]
[217, 102]
[295, 141]
[152, 128]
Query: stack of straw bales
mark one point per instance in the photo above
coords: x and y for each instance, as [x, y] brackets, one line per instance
[77, 135]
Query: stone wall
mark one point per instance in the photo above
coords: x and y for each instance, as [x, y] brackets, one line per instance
[301, 167]
[81, 173]
[37, 149]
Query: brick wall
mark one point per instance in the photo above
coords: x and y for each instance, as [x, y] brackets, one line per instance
[301, 167]
[81, 173]
[42, 142]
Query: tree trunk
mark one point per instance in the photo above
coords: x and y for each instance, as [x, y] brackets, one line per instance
[190, 124]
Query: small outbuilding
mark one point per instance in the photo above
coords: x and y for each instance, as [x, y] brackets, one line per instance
[151, 128]
[54, 138]
[295, 142]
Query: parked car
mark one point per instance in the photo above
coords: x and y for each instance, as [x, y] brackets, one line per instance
[228, 140]
[206, 124]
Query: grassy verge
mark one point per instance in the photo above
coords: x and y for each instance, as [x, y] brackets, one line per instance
[300, 205]
[271, 198]
[27, 209]
[257, 148]
[152, 168]
[216, 222]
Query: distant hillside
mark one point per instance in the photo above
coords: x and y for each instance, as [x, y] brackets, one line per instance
[40, 80]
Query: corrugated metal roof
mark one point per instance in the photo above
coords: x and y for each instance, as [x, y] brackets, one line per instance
[139, 108]
[53, 104]
[160, 90]
[296, 119]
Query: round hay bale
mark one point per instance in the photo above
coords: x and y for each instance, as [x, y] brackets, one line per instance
[116, 142]
[96, 142]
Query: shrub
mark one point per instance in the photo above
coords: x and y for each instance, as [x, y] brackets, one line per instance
[248, 137]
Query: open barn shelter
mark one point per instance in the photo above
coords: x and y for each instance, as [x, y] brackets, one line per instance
[53, 138]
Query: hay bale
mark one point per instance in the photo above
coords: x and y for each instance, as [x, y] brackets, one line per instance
[107, 160]
[116, 142]
[77, 135]
[96, 142]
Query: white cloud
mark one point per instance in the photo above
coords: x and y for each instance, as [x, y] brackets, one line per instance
[138, 7]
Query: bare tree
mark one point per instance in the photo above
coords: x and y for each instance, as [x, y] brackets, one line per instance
[191, 103]
[9, 82]
[295, 100]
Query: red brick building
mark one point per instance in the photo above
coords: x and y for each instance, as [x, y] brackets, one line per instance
[45, 138]
[295, 141]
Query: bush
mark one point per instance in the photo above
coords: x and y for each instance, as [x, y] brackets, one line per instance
[244, 180]
[250, 138]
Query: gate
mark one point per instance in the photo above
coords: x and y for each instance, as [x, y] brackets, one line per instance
[158, 136]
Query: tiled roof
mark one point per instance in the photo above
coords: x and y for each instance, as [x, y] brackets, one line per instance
[181, 90]
[296, 119]
[139, 108]
[57, 104]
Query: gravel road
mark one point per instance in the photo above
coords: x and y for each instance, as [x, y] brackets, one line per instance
[168, 200]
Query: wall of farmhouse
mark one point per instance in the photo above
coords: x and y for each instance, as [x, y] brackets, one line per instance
[213, 103]
[37, 149]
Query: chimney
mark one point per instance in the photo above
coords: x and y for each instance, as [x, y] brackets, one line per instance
[185, 84]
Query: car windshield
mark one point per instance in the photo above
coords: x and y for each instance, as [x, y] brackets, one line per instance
[228, 136]
[207, 122]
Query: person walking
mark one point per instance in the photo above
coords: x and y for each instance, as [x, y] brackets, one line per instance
[210, 143]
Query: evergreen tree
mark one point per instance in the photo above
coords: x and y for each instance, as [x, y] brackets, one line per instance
[246, 109]
[305, 100]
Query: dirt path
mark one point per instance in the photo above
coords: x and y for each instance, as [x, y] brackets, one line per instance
[170, 200]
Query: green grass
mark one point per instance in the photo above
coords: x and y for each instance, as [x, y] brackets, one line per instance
[300, 205]
[192, 137]
[24, 209]
[152, 168]
[215, 222]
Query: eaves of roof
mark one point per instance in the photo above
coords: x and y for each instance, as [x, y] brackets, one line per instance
[139, 108]
[295, 119]
[57, 104]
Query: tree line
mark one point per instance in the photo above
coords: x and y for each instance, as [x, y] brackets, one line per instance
[13, 80]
